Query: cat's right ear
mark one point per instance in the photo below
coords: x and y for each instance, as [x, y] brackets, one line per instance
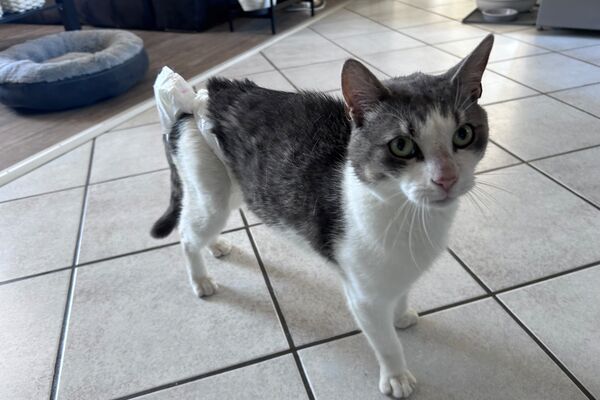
[361, 89]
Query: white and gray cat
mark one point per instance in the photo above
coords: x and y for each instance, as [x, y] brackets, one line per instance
[347, 177]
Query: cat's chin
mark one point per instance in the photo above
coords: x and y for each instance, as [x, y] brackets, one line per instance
[442, 203]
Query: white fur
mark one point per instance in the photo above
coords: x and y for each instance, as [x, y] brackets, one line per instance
[391, 235]
[208, 198]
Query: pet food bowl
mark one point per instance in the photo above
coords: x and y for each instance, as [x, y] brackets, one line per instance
[500, 14]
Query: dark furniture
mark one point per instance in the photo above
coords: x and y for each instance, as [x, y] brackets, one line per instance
[66, 8]
[235, 11]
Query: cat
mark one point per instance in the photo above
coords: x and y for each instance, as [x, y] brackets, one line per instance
[370, 182]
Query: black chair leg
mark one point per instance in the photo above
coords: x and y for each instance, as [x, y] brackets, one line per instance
[312, 8]
[272, 15]
[68, 12]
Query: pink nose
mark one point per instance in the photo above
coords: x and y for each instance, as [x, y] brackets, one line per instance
[445, 181]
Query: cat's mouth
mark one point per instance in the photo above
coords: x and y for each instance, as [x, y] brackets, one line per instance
[442, 202]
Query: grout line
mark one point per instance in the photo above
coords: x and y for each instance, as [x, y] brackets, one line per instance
[205, 375]
[593, 146]
[278, 311]
[279, 71]
[72, 280]
[522, 325]
[571, 88]
[559, 183]
[136, 174]
[41, 194]
[548, 277]
[329, 339]
[82, 186]
[23, 278]
[109, 258]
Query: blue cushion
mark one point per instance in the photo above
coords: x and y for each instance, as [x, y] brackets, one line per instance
[71, 69]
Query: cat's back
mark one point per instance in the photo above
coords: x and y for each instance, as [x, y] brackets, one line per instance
[287, 152]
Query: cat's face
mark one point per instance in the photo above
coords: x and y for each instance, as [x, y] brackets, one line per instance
[421, 135]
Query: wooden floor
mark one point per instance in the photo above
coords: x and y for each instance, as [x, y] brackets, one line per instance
[24, 134]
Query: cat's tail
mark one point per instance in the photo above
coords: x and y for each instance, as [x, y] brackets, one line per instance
[169, 220]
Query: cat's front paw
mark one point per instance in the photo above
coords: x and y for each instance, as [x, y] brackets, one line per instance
[220, 248]
[409, 318]
[398, 386]
[204, 287]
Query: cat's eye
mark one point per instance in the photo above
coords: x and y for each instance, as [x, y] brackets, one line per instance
[463, 137]
[403, 147]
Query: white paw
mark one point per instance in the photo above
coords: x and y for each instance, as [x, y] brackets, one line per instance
[220, 248]
[398, 386]
[204, 287]
[409, 318]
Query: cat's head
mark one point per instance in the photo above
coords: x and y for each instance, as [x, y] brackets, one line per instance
[421, 134]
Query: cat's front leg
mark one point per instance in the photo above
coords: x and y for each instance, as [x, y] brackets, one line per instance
[374, 314]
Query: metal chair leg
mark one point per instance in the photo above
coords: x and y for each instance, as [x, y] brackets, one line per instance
[312, 8]
[69, 16]
[272, 15]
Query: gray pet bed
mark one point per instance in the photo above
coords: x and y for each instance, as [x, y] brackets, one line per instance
[71, 69]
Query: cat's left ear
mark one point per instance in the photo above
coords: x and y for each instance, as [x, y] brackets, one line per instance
[468, 73]
[361, 89]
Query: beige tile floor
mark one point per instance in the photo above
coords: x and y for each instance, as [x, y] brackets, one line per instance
[92, 308]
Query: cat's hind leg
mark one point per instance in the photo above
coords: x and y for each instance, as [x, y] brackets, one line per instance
[404, 316]
[206, 205]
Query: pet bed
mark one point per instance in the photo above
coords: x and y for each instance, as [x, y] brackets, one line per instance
[71, 69]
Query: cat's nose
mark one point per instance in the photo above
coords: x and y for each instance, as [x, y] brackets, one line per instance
[445, 181]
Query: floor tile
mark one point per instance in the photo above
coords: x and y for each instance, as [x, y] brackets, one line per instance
[533, 71]
[470, 352]
[310, 293]
[556, 39]
[564, 313]
[431, 3]
[497, 28]
[405, 62]
[120, 214]
[252, 65]
[127, 152]
[444, 32]
[525, 230]
[139, 313]
[457, 10]
[147, 117]
[377, 42]
[495, 157]
[504, 48]
[408, 18]
[446, 282]
[589, 54]
[276, 379]
[347, 27]
[322, 77]
[587, 98]
[498, 88]
[31, 316]
[376, 8]
[303, 48]
[39, 233]
[67, 171]
[576, 171]
[271, 80]
[524, 127]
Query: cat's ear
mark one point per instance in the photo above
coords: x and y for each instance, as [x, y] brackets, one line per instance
[468, 73]
[361, 89]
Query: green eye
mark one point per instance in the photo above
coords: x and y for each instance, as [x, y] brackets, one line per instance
[403, 147]
[463, 137]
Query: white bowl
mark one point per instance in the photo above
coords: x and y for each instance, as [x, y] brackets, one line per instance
[500, 14]
[519, 5]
